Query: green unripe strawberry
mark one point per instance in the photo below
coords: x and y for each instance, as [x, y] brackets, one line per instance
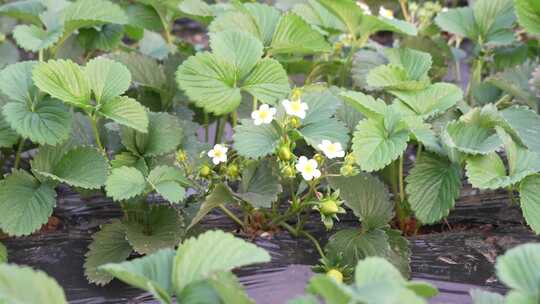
[335, 274]
[284, 153]
[329, 207]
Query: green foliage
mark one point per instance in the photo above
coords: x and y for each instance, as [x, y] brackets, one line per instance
[260, 184]
[528, 13]
[190, 274]
[16, 279]
[214, 81]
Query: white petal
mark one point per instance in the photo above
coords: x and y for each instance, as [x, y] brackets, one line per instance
[272, 111]
[313, 163]
[302, 160]
[215, 160]
[317, 173]
[307, 176]
[264, 107]
[340, 153]
[300, 167]
[302, 114]
[257, 121]
[255, 114]
[211, 153]
[224, 149]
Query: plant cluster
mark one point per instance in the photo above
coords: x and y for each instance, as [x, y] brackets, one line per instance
[292, 110]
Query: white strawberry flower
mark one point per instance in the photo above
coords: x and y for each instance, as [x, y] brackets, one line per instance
[218, 154]
[331, 150]
[295, 108]
[264, 115]
[386, 13]
[365, 8]
[308, 168]
[444, 9]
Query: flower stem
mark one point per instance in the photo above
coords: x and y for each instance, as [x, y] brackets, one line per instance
[93, 121]
[315, 242]
[231, 215]
[403, 4]
[18, 154]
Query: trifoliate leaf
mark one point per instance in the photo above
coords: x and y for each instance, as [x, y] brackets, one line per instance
[214, 80]
[474, 132]
[526, 125]
[88, 13]
[33, 38]
[109, 245]
[415, 63]
[168, 182]
[528, 13]
[163, 136]
[224, 252]
[367, 196]
[433, 186]
[124, 183]
[530, 201]
[16, 279]
[147, 273]
[16, 82]
[516, 269]
[293, 35]
[126, 111]
[26, 203]
[160, 227]
[433, 100]
[65, 80]
[260, 184]
[83, 167]
[107, 78]
[375, 145]
[489, 172]
[221, 194]
[255, 141]
[48, 122]
[353, 245]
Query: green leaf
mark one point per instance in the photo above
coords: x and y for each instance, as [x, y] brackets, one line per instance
[144, 70]
[144, 17]
[163, 136]
[65, 80]
[373, 24]
[346, 11]
[124, 183]
[16, 82]
[26, 203]
[16, 279]
[9, 53]
[353, 245]
[433, 185]
[394, 77]
[214, 80]
[88, 13]
[48, 122]
[363, 61]
[33, 38]
[486, 297]
[260, 184]
[255, 141]
[224, 252]
[126, 111]
[367, 196]
[494, 20]
[528, 13]
[109, 245]
[151, 273]
[459, 21]
[8, 137]
[365, 104]
[526, 125]
[517, 269]
[376, 270]
[433, 100]
[196, 8]
[163, 227]
[489, 172]
[515, 81]
[415, 63]
[530, 201]
[293, 35]
[375, 145]
[266, 18]
[474, 132]
[83, 167]
[400, 255]
[221, 194]
[329, 129]
[104, 38]
[268, 81]
[168, 181]
[107, 78]
[229, 289]
[3, 254]
[329, 290]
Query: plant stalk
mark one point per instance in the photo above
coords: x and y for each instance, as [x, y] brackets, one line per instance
[231, 215]
[94, 121]
[18, 153]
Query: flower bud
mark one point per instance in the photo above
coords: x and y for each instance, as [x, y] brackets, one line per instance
[205, 171]
[284, 153]
[319, 158]
[295, 122]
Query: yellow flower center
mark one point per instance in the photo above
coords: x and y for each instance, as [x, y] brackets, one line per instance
[218, 153]
[296, 106]
[332, 148]
[308, 169]
[263, 114]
